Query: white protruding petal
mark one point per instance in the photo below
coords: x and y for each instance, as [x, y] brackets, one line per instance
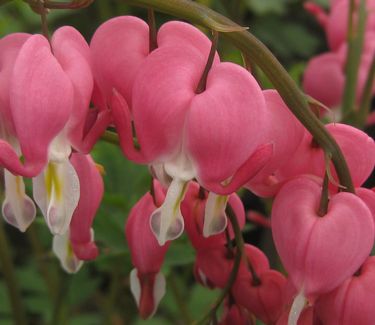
[56, 191]
[18, 209]
[62, 248]
[159, 290]
[60, 148]
[299, 303]
[180, 167]
[135, 286]
[167, 222]
[215, 218]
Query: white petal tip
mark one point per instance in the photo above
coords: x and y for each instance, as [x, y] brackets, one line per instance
[298, 305]
[169, 228]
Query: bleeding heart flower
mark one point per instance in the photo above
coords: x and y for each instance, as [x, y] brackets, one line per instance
[200, 126]
[263, 296]
[320, 252]
[352, 302]
[49, 99]
[147, 283]
[324, 79]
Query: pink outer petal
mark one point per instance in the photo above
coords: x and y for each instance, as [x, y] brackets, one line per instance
[353, 301]
[224, 124]
[265, 301]
[73, 54]
[41, 97]
[216, 265]
[163, 90]
[336, 28]
[122, 120]
[286, 133]
[119, 47]
[147, 255]
[244, 173]
[174, 33]
[91, 193]
[367, 196]
[319, 14]
[315, 264]
[324, 79]
[358, 149]
[9, 48]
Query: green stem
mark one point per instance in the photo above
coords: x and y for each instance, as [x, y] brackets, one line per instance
[211, 56]
[40, 255]
[262, 56]
[9, 274]
[355, 46]
[153, 41]
[184, 313]
[364, 107]
[324, 200]
[61, 308]
[233, 275]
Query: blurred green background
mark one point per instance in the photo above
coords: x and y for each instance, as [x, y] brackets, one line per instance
[99, 293]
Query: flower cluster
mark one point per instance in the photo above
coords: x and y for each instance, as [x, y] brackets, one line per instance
[206, 129]
[324, 77]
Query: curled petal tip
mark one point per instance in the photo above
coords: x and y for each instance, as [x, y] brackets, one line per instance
[166, 227]
[215, 219]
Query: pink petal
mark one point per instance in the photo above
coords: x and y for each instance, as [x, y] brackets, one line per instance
[324, 79]
[41, 98]
[119, 47]
[73, 53]
[91, 193]
[224, 123]
[162, 93]
[9, 48]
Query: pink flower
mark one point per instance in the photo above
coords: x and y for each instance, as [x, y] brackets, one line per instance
[147, 283]
[352, 301]
[317, 265]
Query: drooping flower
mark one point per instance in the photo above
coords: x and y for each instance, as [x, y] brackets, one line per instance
[17, 209]
[213, 136]
[147, 283]
[49, 104]
[352, 301]
[317, 265]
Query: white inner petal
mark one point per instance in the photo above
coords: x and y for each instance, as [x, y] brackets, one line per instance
[62, 248]
[135, 286]
[18, 209]
[60, 148]
[299, 303]
[57, 192]
[167, 222]
[215, 218]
